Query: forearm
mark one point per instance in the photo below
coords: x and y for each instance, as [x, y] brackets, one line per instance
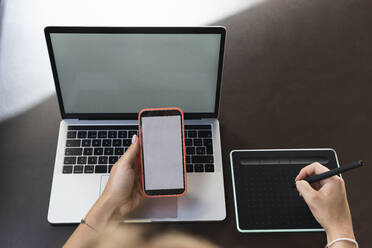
[83, 236]
[98, 218]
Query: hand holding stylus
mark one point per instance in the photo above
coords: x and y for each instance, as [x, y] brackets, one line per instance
[327, 201]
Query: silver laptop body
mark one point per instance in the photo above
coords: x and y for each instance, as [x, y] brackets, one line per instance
[104, 76]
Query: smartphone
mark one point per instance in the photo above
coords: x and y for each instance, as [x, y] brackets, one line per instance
[162, 152]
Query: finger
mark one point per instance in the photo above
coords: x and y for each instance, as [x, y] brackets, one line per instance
[137, 173]
[136, 166]
[130, 157]
[137, 169]
[307, 192]
[138, 176]
[310, 170]
[137, 188]
[137, 198]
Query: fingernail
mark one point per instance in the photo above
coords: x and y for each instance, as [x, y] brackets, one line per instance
[134, 139]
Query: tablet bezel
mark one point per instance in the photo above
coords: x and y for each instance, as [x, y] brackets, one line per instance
[234, 190]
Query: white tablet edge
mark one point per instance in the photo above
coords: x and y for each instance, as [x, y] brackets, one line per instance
[235, 204]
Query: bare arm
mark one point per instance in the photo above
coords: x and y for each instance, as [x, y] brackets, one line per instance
[328, 203]
[121, 195]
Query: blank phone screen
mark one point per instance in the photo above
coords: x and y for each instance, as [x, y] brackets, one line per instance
[162, 152]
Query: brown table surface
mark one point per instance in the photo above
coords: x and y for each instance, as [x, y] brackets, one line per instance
[298, 74]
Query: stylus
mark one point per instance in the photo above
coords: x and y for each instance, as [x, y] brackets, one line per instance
[334, 172]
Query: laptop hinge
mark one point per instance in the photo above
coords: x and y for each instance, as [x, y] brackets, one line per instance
[188, 119]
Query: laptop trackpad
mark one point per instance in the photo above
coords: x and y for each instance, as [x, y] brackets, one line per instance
[150, 208]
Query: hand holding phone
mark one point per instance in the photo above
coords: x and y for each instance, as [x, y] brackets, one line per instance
[162, 152]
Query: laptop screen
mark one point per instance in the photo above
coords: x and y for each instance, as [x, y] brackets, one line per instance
[126, 72]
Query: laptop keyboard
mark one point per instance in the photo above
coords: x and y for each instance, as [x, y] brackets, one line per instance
[94, 149]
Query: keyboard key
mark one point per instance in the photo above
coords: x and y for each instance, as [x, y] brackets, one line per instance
[102, 160]
[88, 151]
[126, 142]
[113, 159]
[78, 169]
[92, 134]
[82, 160]
[197, 142]
[202, 159]
[116, 142]
[209, 167]
[89, 169]
[73, 151]
[109, 151]
[189, 168]
[73, 143]
[109, 168]
[96, 142]
[209, 149]
[102, 134]
[188, 159]
[82, 134]
[205, 133]
[98, 151]
[207, 142]
[86, 142]
[186, 134]
[188, 142]
[112, 134]
[106, 142]
[67, 169]
[131, 133]
[92, 160]
[71, 134]
[122, 134]
[192, 134]
[190, 150]
[69, 160]
[100, 169]
[119, 151]
[198, 126]
[199, 168]
[200, 150]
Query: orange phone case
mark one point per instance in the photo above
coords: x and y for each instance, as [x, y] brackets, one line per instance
[183, 147]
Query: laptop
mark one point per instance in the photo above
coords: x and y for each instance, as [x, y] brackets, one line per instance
[103, 77]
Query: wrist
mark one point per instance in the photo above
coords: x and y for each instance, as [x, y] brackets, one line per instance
[119, 208]
[340, 232]
[103, 213]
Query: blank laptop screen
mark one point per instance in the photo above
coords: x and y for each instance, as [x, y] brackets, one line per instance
[124, 73]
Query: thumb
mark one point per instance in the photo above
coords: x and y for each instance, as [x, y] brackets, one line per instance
[307, 192]
[131, 155]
